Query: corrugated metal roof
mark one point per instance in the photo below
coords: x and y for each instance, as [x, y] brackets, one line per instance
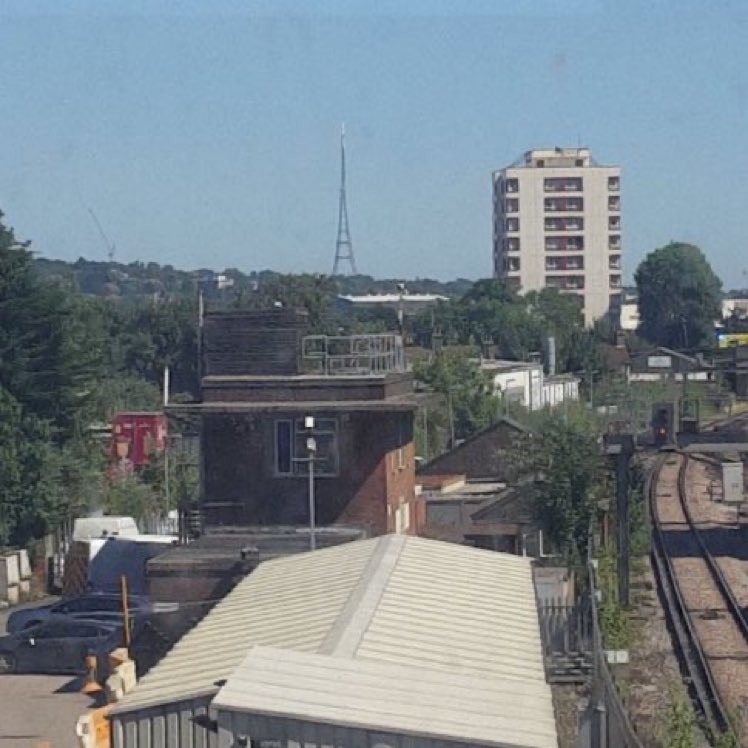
[287, 602]
[401, 699]
[401, 603]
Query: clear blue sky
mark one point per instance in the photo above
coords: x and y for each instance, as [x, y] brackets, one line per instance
[206, 133]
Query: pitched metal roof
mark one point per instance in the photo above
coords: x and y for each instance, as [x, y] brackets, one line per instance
[400, 607]
[314, 690]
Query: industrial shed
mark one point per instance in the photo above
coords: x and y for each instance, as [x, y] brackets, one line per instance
[394, 641]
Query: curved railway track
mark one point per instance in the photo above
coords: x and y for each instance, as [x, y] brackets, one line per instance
[689, 576]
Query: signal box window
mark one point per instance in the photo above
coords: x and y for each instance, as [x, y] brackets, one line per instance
[292, 455]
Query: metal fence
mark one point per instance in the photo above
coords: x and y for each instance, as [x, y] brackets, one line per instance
[353, 355]
[608, 722]
[566, 631]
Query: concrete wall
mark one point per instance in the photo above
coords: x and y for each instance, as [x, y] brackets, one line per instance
[532, 254]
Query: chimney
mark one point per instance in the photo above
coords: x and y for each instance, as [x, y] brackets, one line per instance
[551, 356]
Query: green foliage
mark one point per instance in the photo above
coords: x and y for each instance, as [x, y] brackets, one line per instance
[28, 496]
[680, 726]
[679, 297]
[470, 402]
[492, 312]
[614, 623]
[126, 494]
[563, 453]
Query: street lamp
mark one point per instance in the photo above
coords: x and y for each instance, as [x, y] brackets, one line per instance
[311, 448]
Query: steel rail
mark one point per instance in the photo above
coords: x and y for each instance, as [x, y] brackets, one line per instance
[692, 654]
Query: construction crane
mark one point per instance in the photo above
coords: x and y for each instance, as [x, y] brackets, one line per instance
[110, 247]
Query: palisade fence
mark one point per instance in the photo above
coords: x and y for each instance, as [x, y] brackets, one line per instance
[574, 653]
[566, 630]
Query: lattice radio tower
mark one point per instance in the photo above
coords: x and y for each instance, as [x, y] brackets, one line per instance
[343, 244]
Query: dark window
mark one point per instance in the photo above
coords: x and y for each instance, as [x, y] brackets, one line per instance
[283, 463]
[291, 447]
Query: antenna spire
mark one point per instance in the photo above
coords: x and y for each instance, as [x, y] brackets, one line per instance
[343, 244]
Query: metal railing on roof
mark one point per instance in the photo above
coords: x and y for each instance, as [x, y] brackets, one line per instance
[353, 355]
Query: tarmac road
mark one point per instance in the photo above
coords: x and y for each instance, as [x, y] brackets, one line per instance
[39, 710]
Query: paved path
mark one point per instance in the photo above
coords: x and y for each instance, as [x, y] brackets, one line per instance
[38, 709]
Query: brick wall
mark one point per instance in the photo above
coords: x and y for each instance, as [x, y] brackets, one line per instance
[241, 487]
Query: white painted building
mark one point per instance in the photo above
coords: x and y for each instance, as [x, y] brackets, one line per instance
[557, 223]
[525, 383]
[560, 388]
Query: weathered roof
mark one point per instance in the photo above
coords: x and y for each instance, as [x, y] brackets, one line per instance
[386, 697]
[400, 607]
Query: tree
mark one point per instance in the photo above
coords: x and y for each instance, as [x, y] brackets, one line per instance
[470, 402]
[29, 496]
[564, 455]
[679, 297]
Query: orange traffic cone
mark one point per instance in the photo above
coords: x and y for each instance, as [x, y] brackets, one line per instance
[91, 685]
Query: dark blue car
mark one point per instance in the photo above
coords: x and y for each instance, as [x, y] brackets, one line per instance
[94, 606]
[59, 645]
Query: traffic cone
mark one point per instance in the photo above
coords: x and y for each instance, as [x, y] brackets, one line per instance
[91, 685]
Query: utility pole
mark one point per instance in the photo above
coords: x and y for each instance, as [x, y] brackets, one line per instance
[343, 244]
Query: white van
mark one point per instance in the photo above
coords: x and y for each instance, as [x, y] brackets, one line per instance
[95, 528]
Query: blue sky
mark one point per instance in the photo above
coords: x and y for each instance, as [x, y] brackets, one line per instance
[206, 133]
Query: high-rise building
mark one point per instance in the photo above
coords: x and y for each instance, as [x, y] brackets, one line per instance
[557, 223]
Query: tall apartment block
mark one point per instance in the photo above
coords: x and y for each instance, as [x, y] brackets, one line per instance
[557, 223]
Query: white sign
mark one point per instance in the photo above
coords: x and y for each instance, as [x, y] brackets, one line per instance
[659, 362]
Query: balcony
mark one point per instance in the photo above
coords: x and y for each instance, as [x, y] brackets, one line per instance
[564, 224]
[614, 223]
[565, 282]
[511, 244]
[511, 264]
[614, 262]
[511, 185]
[614, 184]
[564, 263]
[614, 203]
[564, 243]
[511, 225]
[511, 205]
[615, 281]
[564, 205]
[352, 355]
[614, 241]
[563, 184]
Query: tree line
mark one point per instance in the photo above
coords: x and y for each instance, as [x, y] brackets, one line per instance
[72, 354]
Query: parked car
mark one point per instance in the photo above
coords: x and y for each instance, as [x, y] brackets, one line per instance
[94, 606]
[59, 645]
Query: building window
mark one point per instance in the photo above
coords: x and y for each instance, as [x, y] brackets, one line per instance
[512, 185]
[614, 184]
[565, 282]
[562, 184]
[511, 205]
[292, 455]
[564, 204]
[512, 224]
[511, 264]
[614, 223]
[614, 241]
[564, 263]
[564, 243]
[614, 262]
[614, 203]
[615, 281]
[564, 223]
[511, 244]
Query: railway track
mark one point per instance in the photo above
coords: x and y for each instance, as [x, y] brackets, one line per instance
[705, 617]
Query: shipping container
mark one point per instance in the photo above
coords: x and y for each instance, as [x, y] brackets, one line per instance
[136, 436]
